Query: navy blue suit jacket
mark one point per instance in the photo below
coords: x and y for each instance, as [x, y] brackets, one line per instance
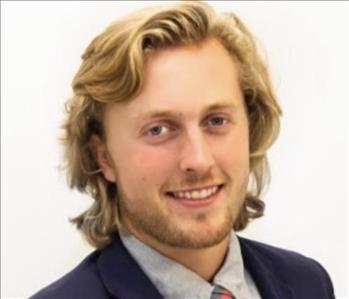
[113, 273]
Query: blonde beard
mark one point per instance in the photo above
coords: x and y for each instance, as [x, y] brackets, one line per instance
[159, 226]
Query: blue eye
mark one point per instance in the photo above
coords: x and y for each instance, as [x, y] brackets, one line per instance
[217, 121]
[157, 130]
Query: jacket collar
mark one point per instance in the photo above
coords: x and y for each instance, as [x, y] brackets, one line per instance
[259, 266]
[122, 276]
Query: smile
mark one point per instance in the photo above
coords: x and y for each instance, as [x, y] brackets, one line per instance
[197, 194]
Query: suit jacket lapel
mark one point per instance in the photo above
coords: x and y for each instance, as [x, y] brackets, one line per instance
[122, 276]
[260, 268]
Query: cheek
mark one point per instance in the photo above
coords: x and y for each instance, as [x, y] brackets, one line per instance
[146, 168]
[234, 156]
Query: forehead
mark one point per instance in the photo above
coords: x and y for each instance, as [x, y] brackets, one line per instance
[185, 80]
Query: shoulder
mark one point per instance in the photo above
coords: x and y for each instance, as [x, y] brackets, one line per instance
[279, 256]
[288, 266]
[107, 273]
[83, 282]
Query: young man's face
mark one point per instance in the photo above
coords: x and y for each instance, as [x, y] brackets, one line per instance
[179, 152]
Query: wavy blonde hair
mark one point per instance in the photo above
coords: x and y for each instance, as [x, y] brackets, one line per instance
[112, 70]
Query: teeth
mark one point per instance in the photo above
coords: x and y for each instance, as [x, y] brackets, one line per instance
[196, 194]
[203, 193]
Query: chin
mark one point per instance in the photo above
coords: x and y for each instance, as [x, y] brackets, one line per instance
[203, 233]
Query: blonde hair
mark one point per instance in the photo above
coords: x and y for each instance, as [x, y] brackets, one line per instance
[112, 70]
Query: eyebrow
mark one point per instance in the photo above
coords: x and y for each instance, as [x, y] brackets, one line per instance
[171, 114]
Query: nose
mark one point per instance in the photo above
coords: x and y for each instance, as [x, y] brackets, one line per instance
[196, 155]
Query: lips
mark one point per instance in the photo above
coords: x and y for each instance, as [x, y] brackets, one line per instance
[195, 194]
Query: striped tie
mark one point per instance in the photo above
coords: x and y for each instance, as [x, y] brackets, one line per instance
[221, 293]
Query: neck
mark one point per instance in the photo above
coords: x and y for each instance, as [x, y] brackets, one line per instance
[205, 262]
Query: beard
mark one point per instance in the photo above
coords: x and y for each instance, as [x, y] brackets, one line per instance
[151, 220]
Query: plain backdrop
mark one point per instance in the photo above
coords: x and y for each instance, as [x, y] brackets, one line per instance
[41, 44]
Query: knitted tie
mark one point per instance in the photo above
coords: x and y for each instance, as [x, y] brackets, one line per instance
[221, 293]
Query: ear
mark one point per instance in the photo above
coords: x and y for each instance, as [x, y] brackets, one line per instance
[101, 155]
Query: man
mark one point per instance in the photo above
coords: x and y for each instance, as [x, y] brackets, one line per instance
[168, 128]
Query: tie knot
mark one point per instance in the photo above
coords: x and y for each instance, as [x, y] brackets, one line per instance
[221, 293]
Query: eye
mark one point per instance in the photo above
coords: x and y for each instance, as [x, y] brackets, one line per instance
[157, 130]
[217, 121]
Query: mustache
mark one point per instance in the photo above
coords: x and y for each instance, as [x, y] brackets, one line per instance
[192, 180]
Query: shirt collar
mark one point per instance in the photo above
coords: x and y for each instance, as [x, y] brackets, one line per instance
[174, 280]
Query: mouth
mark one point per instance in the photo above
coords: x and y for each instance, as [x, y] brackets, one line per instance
[196, 197]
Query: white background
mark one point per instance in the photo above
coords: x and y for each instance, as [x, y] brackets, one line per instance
[41, 44]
